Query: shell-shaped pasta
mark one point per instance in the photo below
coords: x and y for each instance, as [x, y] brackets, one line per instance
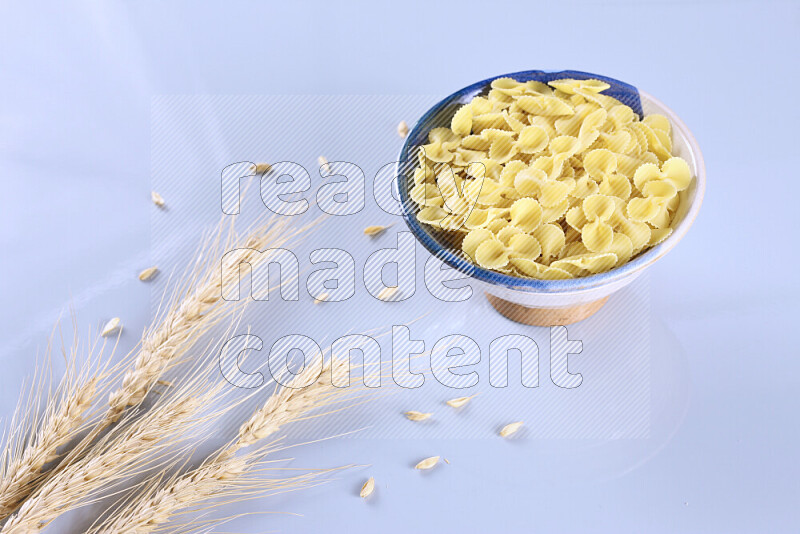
[510, 172]
[570, 86]
[662, 218]
[484, 168]
[463, 157]
[436, 152]
[597, 236]
[513, 121]
[677, 171]
[552, 193]
[538, 270]
[426, 194]
[523, 246]
[552, 239]
[618, 141]
[642, 209]
[576, 218]
[658, 235]
[616, 185]
[585, 186]
[491, 254]
[508, 86]
[526, 214]
[599, 163]
[658, 122]
[547, 106]
[620, 116]
[639, 234]
[499, 99]
[494, 120]
[645, 173]
[473, 239]
[545, 123]
[533, 87]
[475, 142]
[529, 181]
[592, 262]
[622, 246]
[598, 207]
[502, 149]
[480, 105]
[432, 215]
[660, 190]
[554, 213]
[590, 128]
[532, 140]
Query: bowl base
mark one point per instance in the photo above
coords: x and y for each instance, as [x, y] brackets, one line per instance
[545, 316]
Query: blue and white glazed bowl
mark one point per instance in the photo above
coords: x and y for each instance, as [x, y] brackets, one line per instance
[550, 301]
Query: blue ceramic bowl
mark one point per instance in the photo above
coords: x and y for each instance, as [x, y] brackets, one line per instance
[549, 293]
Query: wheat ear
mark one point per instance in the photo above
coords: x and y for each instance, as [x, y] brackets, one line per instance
[193, 309]
[39, 432]
[137, 443]
[226, 474]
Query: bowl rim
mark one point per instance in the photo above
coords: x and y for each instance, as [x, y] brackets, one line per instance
[533, 285]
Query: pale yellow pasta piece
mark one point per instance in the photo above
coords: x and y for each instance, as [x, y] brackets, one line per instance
[532, 140]
[622, 246]
[600, 163]
[538, 270]
[616, 185]
[598, 207]
[552, 239]
[571, 86]
[513, 121]
[554, 213]
[585, 186]
[597, 236]
[576, 218]
[552, 193]
[491, 254]
[475, 142]
[529, 181]
[526, 214]
[547, 106]
[658, 235]
[593, 262]
[510, 172]
[642, 209]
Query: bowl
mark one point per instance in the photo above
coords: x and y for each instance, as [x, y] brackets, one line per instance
[550, 302]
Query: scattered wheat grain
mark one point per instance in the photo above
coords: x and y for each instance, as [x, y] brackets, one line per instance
[427, 463]
[387, 293]
[261, 168]
[148, 273]
[367, 488]
[402, 129]
[374, 230]
[157, 199]
[459, 402]
[510, 429]
[417, 416]
[111, 327]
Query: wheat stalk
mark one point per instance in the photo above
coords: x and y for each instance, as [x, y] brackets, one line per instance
[195, 307]
[36, 440]
[138, 442]
[225, 474]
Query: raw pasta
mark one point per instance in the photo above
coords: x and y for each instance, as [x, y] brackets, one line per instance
[550, 181]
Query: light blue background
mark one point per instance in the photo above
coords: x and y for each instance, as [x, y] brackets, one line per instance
[77, 81]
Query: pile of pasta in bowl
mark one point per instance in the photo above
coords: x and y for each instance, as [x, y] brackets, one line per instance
[550, 181]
